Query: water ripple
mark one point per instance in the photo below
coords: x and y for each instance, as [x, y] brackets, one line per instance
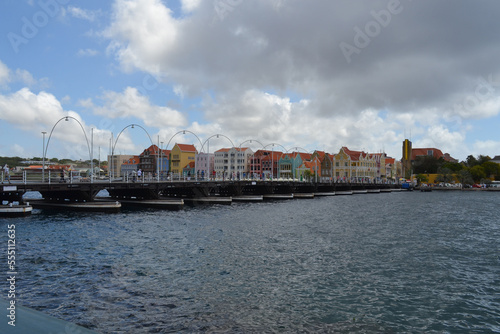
[387, 263]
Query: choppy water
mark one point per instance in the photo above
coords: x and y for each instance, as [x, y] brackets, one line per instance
[386, 263]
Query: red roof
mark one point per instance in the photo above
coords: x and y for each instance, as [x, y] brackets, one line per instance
[276, 155]
[355, 155]
[153, 150]
[186, 147]
[132, 161]
[303, 156]
[390, 161]
[236, 148]
[416, 152]
[190, 165]
[320, 154]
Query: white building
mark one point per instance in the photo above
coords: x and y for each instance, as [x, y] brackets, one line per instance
[204, 164]
[232, 162]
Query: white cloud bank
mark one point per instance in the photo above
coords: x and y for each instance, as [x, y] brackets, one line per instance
[275, 69]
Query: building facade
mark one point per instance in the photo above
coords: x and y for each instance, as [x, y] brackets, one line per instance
[233, 162]
[205, 165]
[115, 163]
[153, 159]
[180, 156]
[130, 166]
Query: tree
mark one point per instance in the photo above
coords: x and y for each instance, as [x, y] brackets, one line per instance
[453, 166]
[427, 164]
[421, 178]
[481, 159]
[465, 177]
[477, 173]
[308, 175]
[491, 169]
[445, 175]
[471, 161]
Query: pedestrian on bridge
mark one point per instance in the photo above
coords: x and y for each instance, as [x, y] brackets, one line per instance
[6, 173]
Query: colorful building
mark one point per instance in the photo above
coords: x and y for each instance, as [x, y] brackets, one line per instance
[350, 166]
[232, 162]
[153, 159]
[130, 166]
[289, 164]
[180, 156]
[204, 165]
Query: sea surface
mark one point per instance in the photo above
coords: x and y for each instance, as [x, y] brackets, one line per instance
[407, 262]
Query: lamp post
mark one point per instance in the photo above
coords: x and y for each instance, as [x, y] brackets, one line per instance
[161, 157]
[184, 132]
[91, 155]
[118, 137]
[250, 140]
[207, 141]
[66, 118]
[43, 156]
[272, 155]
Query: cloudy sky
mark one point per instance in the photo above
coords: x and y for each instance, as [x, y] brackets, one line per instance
[311, 74]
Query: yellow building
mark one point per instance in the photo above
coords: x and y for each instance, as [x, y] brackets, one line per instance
[356, 165]
[180, 156]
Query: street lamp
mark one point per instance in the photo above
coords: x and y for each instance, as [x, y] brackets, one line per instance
[43, 156]
[207, 141]
[250, 140]
[184, 132]
[161, 157]
[66, 118]
[116, 141]
[272, 156]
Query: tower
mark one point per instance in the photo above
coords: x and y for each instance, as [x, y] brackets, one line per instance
[406, 160]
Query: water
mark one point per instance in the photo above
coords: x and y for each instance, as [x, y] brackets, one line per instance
[387, 263]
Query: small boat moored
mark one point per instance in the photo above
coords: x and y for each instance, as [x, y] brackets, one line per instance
[15, 210]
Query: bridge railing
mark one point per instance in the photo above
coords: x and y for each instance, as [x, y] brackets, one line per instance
[36, 176]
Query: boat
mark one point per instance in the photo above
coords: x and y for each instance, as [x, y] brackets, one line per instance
[15, 210]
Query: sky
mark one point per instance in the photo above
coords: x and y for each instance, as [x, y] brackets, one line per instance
[275, 74]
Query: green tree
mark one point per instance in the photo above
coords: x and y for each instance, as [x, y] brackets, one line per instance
[477, 173]
[453, 166]
[308, 175]
[481, 159]
[471, 161]
[445, 175]
[427, 164]
[491, 169]
[464, 176]
[421, 178]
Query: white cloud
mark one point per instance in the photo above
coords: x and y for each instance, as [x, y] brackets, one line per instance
[87, 53]
[4, 74]
[35, 113]
[131, 103]
[190, 5]
[141, 32]
[25, 77]
[487, 147]
[83, 14]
